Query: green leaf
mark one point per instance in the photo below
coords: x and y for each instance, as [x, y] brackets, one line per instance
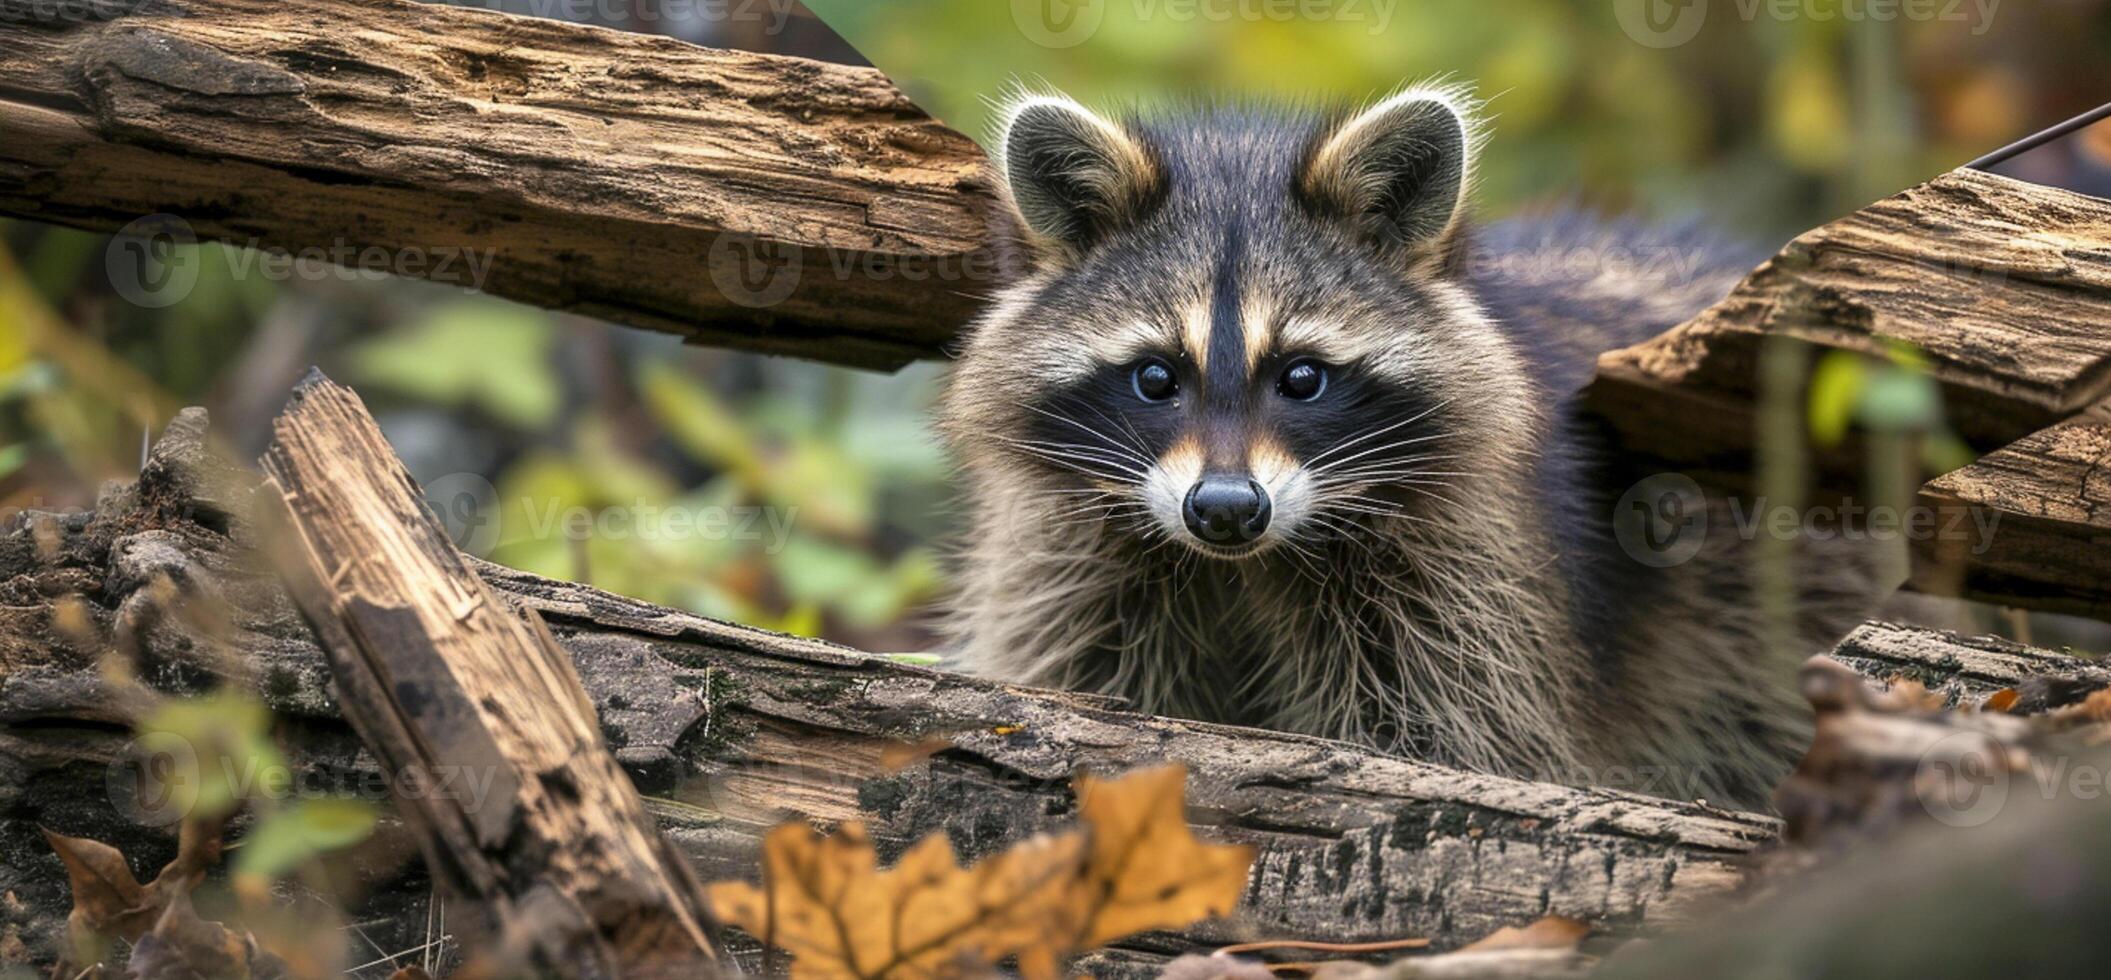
[286, 839]
[1835, 389]
[212, 753]
[816, 571]
[702, 423]
[1901, 401]
[12, 458]
[492, 355]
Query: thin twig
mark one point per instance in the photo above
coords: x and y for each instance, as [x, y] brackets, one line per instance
[1272, 944]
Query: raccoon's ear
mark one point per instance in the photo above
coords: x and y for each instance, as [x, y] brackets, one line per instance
[1071, 175]
[1399, 171]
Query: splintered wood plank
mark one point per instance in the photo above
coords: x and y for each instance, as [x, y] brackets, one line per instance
[2003, 286]
[2031, 521]
[763, 202]
[493, 748]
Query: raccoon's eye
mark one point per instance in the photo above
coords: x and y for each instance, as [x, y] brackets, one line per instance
[1154, 381]
[1302, 380]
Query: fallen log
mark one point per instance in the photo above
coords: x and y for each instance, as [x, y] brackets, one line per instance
[2046, 500]
[1963, 669]
[2003, 286]
[728, 731]
[753, 201]
[439, 675]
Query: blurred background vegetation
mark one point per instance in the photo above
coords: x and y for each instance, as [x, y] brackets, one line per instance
[1763, 126]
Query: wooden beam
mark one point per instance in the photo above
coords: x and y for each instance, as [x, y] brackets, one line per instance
[493, 751]
[752, 201]
[2029, 524]
[2004, 287]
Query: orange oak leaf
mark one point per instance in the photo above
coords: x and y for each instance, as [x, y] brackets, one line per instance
[825, 901]
[1134, 865]
[1146, 869]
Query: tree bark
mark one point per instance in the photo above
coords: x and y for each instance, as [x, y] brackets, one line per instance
[761, 202]
[476, 715]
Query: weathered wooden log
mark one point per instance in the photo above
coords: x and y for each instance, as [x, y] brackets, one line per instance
[2045, 504]
[476, 716]
[2003, 286]
[753, 201]
[729, 730]
[1961, 668]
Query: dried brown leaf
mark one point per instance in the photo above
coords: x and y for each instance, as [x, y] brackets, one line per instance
[1549, 932]
[825, 901]
[182, 946]
[107, 899]
[1147, 870]
[1133, 866]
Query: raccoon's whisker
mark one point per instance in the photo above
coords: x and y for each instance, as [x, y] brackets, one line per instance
[1416, 487]
[1406, 478]
[1128, 451]
[1346, 443]
[1136, 441]
[1398, 471]
[1305, 563]
[1347, 530]
[1371, 450]
[1375, 508]
[1075, 457]
[1415, 459]
[1089, 463]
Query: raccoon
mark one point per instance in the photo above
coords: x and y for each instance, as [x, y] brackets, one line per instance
[1265, 433]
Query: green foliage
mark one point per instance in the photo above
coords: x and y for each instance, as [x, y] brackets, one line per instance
[1770, 123]
[216, 753]
[491, 355]
[285, 839]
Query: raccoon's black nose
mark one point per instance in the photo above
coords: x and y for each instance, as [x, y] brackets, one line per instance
[1227, 511]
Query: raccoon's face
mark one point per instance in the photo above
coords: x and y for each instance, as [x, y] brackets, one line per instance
[1240, 333]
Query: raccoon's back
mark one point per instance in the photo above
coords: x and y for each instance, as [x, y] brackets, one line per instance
[1567, 285]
